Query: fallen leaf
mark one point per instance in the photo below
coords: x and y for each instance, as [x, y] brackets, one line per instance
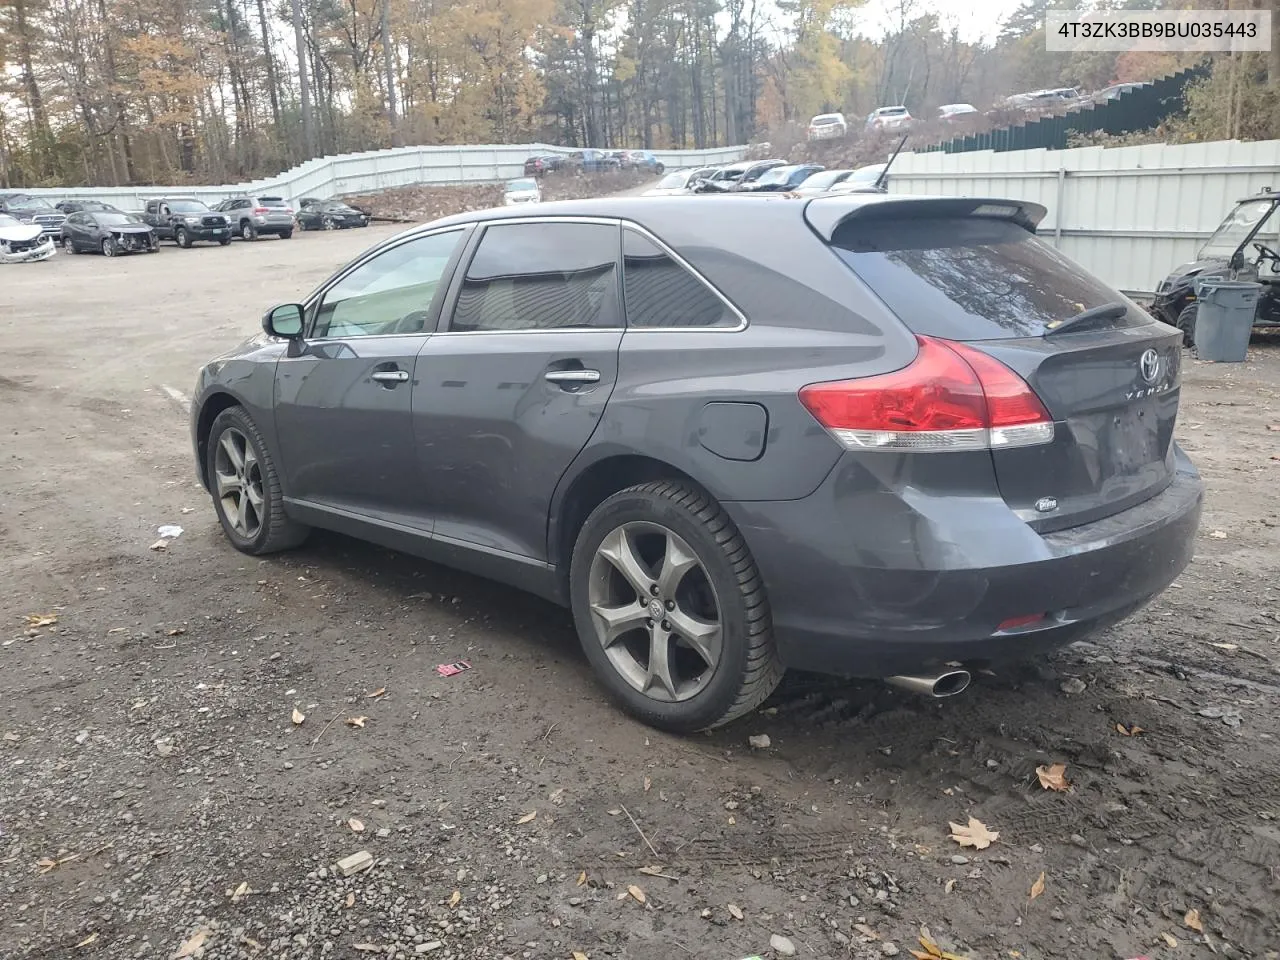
[1192, 920]
[351, 899]
[647, 784]
[949, 885]
[240, 892]
[1132, 731]
[356, 721]
[175, 632]
[160, 545]
[41, 619]
[192, 944]
[528, 817]
[456, 898]
[582, 878]
[91, 938]
[866, 931]
[11, 737]
[1228, 647]
[636, 893]
[366, 947]
[735, 911]
[46, 864]
[975, 834]
[356, 825]
[1037, 888]
[298, 717]
[932, 951]
[1171, 940]
[579, 955]
[1054, 777]
[377, 693]
[615, 813]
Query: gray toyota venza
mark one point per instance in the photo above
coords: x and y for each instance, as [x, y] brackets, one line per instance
[868, 435]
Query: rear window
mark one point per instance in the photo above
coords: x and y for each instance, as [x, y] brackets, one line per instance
[971, 278]
[272, 202]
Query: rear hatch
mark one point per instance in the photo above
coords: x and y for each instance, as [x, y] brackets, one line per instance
[1110, 380]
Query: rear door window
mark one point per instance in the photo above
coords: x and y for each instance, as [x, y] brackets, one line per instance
[972, 278]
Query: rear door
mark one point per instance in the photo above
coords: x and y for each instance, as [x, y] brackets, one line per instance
[1111, 386]
[513, 386]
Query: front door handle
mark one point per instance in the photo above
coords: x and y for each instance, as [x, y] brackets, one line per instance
[390, 376]
[572, 376]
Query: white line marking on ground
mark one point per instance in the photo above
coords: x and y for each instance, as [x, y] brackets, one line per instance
[177, 396]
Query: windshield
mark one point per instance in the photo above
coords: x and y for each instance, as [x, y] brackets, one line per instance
[1236, 228]
[524, 183]
[824, 179]
[187, 206]
[867, 174]
[775, 175]
[115, 219]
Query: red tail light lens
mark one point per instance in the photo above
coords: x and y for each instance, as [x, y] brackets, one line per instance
[951, 397]
[261, 211]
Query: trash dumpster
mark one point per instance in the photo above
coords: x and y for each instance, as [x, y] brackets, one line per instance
[1224, 318]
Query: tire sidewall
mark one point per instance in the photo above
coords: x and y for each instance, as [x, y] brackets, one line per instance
[235, 417]
[708, 706]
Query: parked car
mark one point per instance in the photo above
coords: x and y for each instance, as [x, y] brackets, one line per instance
[28, 209]
[591, 161]
[108, 233]
[861, 180]
[822, 181]
[783, 178]
[76, 206]
[828, 126]
[753, 172]
[954, 112]
[810, 473]
[23, 242]
[543, 164]
[254, 217]
[185, 220]
[329, 215]
[1044, 99]
[889, 118]
[645, 160]
[680, 182]
[1115, 91]
[522, 190]
[1238, 250]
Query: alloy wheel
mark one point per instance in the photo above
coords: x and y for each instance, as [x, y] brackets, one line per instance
[238, 483]
[654, 611]
[68, 246]
[108, 247]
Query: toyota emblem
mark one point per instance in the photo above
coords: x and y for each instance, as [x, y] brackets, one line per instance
[1149, 366]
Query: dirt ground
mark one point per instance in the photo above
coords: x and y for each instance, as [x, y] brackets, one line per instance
[154, 786]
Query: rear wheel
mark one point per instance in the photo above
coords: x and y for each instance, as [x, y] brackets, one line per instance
[246, 489]
[224, 241]
[671, 610]
[247, 231]
[108, 247]
[1187, 323]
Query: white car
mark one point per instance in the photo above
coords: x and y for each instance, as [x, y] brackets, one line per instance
[679, 182]
[828, 126]
[23, 242]
[950, 112]
[862, 180]
[522, 190]
[889, 118]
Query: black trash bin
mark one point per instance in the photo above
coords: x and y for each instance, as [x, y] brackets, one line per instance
[1224, 318]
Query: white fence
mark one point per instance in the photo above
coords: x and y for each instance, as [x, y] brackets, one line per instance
[377, 170]
[1128, 214]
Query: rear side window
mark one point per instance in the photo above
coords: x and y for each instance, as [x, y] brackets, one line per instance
[659, 292]
[541, 276]
[971, 278]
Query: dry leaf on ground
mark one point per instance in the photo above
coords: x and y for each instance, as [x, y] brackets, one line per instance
[1131, 731]
[356, 721]
[41, 619]
[240, 892]
[636, 893]
[974, 834]
[932, 951]
[647, 784]
[456, 898]
[528, 817]
[1054, 777]
[351, 899]
[298, 717]
[1037, 888]
[356, 825]
[1219, 535]
[582, 878]
[90, 939]
[377, 693]
[1170, 939]
[735, 911]
[192, 944]
[866, 931]
[1192, 920]
[579, 955]
[949, 885]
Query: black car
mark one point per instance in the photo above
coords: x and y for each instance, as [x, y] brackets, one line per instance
[784, 178]
[77, 206]
[866, 435]
[543, 164]
[329, 215]
[107, 232]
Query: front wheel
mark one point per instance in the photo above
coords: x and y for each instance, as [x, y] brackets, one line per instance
[245, 486]
[329, 223]
[224, 241]
[286, 235]
[1187, 323]
[182, 238]
[108, 247]
[68, 246]
[670, 609]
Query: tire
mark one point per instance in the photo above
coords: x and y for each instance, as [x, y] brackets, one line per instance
[68, 246]
[266, 528]
[248, 232]
[182, 238]
[328, 223]
[660, 169]
[286, 235]
[225, 241]
[723, 582]
[1187, 323]
[109, 247]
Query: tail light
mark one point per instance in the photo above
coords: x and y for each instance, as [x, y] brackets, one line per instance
[260, 211]
[950, 397]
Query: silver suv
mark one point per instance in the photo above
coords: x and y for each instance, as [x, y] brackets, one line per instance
[253, 217]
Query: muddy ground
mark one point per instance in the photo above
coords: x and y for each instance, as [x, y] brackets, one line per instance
[154, 787]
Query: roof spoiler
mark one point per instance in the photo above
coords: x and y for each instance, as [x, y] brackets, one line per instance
[827, 214]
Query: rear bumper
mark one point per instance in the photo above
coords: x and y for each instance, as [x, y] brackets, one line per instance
[860, 587]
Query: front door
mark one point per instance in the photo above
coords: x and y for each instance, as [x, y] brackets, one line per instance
[513, 387]
[343, 394]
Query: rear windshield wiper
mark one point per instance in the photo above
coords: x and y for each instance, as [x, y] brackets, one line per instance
[1108, 311]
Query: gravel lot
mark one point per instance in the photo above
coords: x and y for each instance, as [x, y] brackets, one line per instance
[156, 790]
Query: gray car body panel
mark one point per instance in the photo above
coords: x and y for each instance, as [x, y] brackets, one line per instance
[874, 562]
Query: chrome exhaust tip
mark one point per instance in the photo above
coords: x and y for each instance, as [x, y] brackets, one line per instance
[939, 685]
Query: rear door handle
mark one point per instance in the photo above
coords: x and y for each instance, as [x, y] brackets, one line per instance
[572, 376]
[390, 376]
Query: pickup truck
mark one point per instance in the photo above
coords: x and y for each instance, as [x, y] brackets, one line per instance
[185, 220]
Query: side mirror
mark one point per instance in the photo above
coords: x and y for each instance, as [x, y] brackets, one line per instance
[284, 321]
